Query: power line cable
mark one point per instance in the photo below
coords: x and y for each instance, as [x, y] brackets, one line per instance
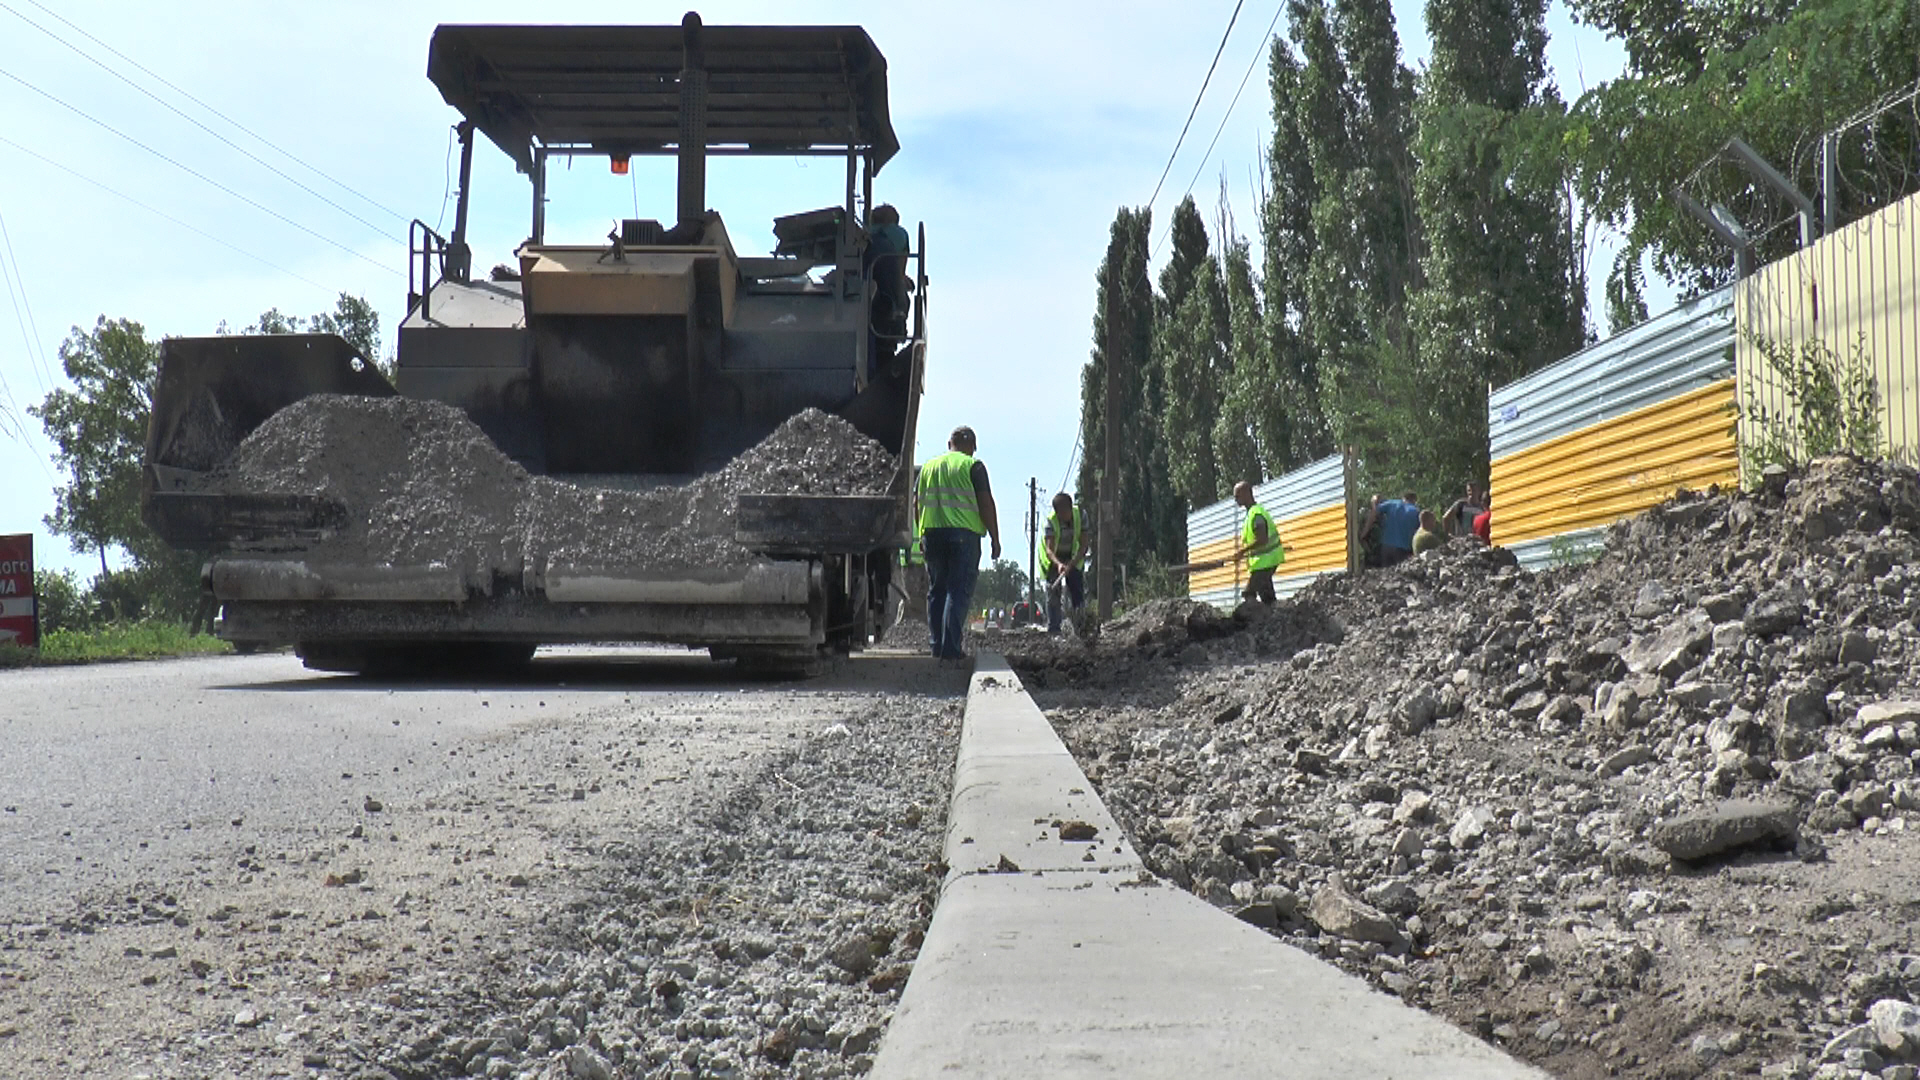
[250, 155]
[37, 353]
[191, 171]
[1251, 64]
[162, 80]
[446, 186]
[9, 417]
[83, 178]
[1196, 103]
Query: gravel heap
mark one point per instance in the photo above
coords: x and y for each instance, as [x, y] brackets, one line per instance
[1651, 816]
[423, 485]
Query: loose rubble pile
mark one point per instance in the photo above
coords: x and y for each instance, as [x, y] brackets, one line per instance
[423, 485]
[1651, 816]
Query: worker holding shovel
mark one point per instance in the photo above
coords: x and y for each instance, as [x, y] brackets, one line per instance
[1063, 551]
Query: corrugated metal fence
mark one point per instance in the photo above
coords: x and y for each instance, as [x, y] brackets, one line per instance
[1619, 426]
[1614, 429]
[1307, 508]
[1857, 289]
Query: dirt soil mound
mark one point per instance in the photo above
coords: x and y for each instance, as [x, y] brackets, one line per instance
[423, 485]
[1651, 816]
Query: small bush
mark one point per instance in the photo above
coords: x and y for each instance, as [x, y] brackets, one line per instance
[1832, 406]
[1150, 579]
[62, 602]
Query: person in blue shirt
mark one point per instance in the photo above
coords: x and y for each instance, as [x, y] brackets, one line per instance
[1399, 519]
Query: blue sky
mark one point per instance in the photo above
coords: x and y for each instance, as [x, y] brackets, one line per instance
[1023, 127]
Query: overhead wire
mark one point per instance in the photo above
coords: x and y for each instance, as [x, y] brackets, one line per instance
[1204, 158]
[1235, 17]
[191, 171]
[9, 416]
[263, 140]
[446, 187]
[236, 147]
[37, 352]
[83, 178]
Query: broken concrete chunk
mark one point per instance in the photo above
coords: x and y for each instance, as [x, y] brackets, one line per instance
[1888, 712]
[1809, 776]
[1470, 827]
[1731, 825]
[1774, 615]
[1672, 651]
[1342, 914]
[1623, 759]
[1797, 719]
[1897, 1026]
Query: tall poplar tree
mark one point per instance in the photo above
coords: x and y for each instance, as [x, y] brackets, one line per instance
[1248, 388]
[1502, 295]
[1150, 518]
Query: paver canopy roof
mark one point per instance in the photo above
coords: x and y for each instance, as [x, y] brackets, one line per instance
[616, 89]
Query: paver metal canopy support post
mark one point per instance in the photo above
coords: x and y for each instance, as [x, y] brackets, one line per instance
[1110, 474]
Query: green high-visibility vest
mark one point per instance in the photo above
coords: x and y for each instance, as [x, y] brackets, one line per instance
[947, 500]
[1267, 555]
[1073, 538]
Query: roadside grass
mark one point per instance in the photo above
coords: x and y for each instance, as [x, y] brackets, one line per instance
[116, 641]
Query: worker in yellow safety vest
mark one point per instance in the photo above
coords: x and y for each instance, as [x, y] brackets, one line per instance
[956, 510]
[1063, 554]
[1260, 546]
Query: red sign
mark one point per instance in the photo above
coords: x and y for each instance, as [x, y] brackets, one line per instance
[17, 621]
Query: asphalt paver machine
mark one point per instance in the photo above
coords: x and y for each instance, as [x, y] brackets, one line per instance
[659, 353]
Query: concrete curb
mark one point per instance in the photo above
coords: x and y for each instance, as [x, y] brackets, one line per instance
[1078, 967]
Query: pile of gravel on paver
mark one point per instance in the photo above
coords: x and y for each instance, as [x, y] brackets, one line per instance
[421, 482]
[422, 485]
[770, 936]
[1553, 806]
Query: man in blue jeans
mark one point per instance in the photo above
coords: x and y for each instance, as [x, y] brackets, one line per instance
[956, 509]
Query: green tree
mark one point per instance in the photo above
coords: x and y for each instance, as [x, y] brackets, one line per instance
[1249, 387]
[1151, 518]
[1190, 334]
[1193, 361]
[99, 432]
[1341, 229]
[352, 317]
[1501, 293]
[1290, 419]
[1778, 74]
[1002, 584]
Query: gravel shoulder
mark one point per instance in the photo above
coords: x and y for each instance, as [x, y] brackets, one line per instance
[612, 867]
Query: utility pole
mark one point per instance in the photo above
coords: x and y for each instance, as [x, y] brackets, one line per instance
[1033, 530]
[1110, 474]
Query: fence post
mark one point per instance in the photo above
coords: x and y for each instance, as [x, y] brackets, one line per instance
[1350, 487]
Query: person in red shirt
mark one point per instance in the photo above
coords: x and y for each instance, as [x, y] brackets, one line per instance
[1483, 522]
